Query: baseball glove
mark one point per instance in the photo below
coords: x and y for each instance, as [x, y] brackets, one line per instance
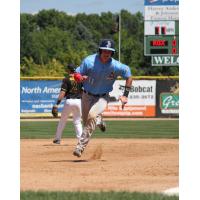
[55, 111]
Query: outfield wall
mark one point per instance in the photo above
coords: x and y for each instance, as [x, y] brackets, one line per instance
[149, 97]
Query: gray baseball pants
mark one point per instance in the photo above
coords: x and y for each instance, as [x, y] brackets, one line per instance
[91, 107]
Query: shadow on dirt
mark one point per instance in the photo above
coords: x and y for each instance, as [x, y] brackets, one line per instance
[76, 161]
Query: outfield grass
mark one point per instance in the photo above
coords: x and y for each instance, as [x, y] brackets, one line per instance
[94, 196]
[115, 129]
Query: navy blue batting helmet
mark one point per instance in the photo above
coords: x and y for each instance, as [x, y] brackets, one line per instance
[107, 44]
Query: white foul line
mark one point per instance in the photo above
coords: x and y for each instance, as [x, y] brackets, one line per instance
[172, 191]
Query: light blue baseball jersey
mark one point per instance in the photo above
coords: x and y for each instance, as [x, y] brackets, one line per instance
[101, 77]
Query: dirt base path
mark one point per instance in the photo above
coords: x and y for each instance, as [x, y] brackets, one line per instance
[107, 164]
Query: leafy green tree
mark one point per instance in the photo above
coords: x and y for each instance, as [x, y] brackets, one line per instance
[50, 39]
[27, 26]
[82, 32]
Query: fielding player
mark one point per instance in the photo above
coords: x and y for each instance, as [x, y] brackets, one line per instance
[72, 91]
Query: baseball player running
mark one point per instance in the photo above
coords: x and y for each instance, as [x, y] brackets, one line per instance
[72, 91]
[98, 73]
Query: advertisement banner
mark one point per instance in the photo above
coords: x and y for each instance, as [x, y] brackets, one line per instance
[39, 96]
[160, 2]
[165, 60]
[141, 100]
[161, 13]
[169, 103]
[167, 97]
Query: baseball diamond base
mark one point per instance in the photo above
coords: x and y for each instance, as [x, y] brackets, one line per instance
[144, 165]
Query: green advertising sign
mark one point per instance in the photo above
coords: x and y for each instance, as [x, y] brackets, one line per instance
[169, 103]
[165, 60]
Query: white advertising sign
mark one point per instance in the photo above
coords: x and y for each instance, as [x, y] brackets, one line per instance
[141, 99]
[161, 13]
[143, 92]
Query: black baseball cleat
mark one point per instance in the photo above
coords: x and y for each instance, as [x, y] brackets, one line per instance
[102, 126]
[56, 141]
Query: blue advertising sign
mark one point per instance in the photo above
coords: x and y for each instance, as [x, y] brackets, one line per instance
[161, 2]
[39, 96]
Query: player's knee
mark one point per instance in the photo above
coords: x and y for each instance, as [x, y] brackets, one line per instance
[77, 121]
[92, 115]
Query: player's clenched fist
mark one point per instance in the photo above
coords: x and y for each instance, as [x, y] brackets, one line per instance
[124, 100]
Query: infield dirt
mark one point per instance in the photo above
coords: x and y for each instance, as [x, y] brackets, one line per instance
[144, 165]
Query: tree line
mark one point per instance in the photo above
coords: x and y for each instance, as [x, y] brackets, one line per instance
[51, 39]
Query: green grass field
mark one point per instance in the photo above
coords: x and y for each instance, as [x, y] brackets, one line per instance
[94, 196]
[115, 129]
